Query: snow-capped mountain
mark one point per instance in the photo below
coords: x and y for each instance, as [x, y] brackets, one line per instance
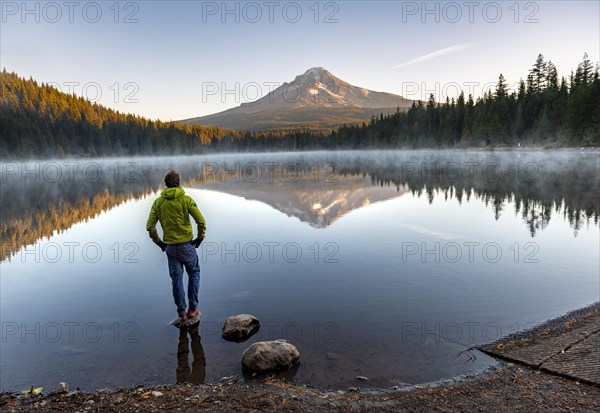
[315, 99]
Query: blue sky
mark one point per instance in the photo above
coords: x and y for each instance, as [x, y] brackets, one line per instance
[176, 60]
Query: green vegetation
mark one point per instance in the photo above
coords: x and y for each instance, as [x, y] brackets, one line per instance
[544, 111]
[39, 121]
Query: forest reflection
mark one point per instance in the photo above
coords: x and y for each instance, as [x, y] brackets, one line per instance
[536, 187]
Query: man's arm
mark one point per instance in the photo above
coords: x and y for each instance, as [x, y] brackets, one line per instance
[197, 215]
[151, 225]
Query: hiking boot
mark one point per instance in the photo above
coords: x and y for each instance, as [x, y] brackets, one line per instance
[193, 313]
[182, 318]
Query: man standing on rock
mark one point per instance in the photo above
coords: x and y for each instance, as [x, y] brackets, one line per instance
[173, 210]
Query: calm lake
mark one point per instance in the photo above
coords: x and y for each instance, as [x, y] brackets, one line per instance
[378, 264]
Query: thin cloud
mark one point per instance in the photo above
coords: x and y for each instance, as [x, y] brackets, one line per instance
[437, 53]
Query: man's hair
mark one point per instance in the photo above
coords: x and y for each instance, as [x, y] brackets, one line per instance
[172, 179]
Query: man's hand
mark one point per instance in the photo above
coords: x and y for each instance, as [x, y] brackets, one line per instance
[162, 245]
[196, 243]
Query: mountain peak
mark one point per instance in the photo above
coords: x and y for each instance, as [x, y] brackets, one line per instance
[316, 97]
[315, 70]
[317, 74]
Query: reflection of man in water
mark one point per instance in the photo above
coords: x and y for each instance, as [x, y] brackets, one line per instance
[197, 373]
[173, 210]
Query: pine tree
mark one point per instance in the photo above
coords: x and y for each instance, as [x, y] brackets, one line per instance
[501, 87]
[551, 76]
[538, 74]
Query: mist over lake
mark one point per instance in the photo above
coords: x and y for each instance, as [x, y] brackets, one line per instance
[383, 264]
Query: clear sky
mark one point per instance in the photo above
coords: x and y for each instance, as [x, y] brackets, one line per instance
[176, 60]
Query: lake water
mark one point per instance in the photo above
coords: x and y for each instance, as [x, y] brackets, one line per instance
[379, 264]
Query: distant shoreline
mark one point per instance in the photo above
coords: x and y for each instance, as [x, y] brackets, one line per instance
[341, 150]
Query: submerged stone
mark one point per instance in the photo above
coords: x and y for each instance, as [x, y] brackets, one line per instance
[239, 328]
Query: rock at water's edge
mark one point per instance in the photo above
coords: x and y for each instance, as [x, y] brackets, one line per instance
[270, 356]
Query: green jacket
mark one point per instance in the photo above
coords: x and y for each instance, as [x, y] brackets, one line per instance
[173, 210]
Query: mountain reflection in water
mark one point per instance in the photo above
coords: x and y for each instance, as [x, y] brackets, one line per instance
[399, 261]
[316, 187]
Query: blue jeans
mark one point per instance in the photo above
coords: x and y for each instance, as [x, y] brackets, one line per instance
[180, 255]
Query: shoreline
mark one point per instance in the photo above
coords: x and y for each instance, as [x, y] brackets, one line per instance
[532, 148]
[514, 383]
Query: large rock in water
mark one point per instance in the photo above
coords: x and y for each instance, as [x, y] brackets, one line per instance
[240, 327]
[270, 356]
